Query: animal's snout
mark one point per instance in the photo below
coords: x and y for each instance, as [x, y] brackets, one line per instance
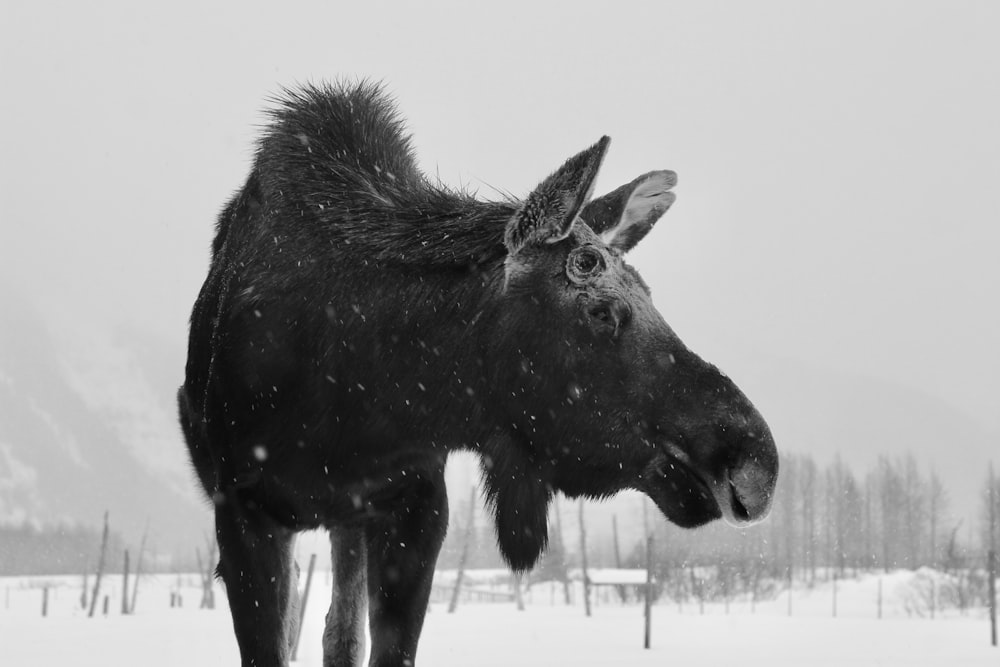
[751, 480]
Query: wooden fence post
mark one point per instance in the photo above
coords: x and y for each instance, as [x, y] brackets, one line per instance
[835, 595]
[125, 586]
[302, 605]
[45, 601]
[83, 593]
[648, 610]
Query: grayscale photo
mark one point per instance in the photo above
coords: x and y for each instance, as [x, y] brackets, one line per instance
[448, 334]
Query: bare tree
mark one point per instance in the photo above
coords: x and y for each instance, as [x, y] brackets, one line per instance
[890, 499]
[788, 499]
[560, 546]
[870, 558]
[913, 509]
[138, 568]
[849, 516]
[618, 554]
[583, 562]
[937, 503]
[100, 567]
[206, 570]
[835, 490]
[993, 498]
[829, 521]
[463, 558]
[808, 486]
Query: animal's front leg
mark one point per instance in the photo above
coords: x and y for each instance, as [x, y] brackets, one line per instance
[402, 551]
[344, 637]
[255, 561]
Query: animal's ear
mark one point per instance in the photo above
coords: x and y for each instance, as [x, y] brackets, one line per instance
[549, 212]
[623, 217]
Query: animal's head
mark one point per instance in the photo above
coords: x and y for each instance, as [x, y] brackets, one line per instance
[603, 394]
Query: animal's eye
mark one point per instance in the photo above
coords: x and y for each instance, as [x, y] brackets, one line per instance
[585, 262]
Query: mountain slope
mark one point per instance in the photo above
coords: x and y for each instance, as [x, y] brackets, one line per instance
[83, 428]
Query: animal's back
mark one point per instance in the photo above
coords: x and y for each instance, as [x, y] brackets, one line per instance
[335, 176]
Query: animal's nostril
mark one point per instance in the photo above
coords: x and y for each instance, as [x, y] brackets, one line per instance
[740, 511]
[752, 486]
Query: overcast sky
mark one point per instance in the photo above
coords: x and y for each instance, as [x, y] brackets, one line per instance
[838, 161]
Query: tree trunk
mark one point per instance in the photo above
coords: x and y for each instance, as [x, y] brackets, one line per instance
[618, 556]
[583, 562]
[991, 567]
[100, 568]
[138, 570]
[463, 558]
[516, 579]
[562, 550]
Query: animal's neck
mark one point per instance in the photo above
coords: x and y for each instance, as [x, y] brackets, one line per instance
[417, 344]
[447, 232]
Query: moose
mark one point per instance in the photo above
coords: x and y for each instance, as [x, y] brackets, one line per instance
[359, 322]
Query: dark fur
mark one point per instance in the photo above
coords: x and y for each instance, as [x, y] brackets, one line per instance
[359, 322]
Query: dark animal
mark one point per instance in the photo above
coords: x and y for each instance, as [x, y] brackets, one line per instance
[358, 323]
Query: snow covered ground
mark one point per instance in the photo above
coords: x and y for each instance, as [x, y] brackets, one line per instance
[497, 634]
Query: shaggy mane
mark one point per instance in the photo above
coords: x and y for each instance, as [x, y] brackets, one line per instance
[337, 159]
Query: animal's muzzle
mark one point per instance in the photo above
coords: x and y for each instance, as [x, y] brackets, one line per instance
[747, 488]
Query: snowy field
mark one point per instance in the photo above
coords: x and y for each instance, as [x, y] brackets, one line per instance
[498, 634]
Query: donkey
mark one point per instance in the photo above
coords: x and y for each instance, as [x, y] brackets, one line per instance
[359, 322]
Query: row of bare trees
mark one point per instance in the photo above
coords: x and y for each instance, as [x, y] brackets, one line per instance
[829, 520]
[893, 516]
[58, 549]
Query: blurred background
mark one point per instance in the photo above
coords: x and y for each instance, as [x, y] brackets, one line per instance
[833, 247]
